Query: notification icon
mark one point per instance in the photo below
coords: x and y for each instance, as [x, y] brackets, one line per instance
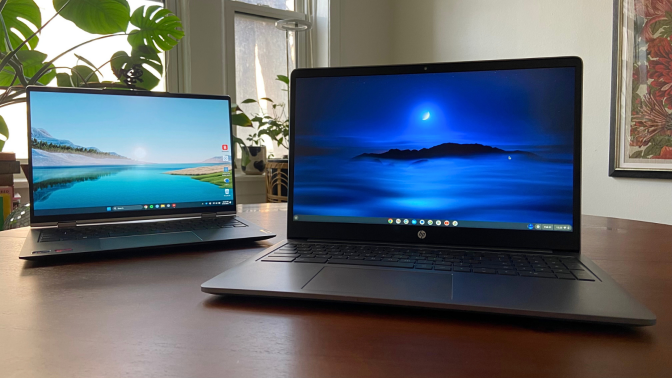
[225, 147]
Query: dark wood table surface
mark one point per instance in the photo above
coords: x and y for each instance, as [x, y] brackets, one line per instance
[143, 315]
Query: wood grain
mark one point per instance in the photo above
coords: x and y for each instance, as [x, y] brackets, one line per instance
[143, 315]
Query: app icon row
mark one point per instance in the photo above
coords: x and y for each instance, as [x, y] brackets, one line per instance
[160, 206]
[422, 222]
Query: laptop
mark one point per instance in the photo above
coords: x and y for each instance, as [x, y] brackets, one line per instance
[117, 170]
[452, 186]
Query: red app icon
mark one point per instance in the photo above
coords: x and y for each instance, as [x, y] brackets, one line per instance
[225, 147]
[174, 205]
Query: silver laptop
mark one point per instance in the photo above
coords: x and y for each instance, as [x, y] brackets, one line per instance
[119, 170]
[452, 186]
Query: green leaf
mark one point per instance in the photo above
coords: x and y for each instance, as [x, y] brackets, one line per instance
[96, 16]
[241, 119]
[4, 131]
[248, 101]
[80, 74]
[143, 57]
[636, 155]
[19, 16]
[64, 80]
[32, 61]
[267, 99]
[157, 27]
[651, 150]
[283, 78]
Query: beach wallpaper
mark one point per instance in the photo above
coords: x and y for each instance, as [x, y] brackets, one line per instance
[477, 146]
[92, 151]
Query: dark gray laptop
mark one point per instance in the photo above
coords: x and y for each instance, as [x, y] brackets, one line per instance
[453, 186]
[117, 170]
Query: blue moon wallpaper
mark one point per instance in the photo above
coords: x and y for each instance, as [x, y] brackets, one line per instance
[490, 146]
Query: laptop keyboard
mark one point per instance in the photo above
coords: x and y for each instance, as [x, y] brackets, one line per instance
[443, 260]
[132, 229]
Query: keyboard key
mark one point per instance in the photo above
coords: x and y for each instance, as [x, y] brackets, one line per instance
[391, 260]
[310, 260]
[583, 275]
[484, 271]
[537, 274]
[561, 271]
[507, 272]
[443, 267]
[424, 266]
[278, 259]
[461, 269]
[565, 276]
[372, 263]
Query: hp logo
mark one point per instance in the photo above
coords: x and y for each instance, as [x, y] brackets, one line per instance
[422, 234]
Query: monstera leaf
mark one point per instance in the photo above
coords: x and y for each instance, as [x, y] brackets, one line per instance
[142, 57]
[96, 16]
[32, 61]
[79, 76]
[4, 132]
[158, 28]
[21, 18]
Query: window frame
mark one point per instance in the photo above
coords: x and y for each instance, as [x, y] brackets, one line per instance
[230, 8]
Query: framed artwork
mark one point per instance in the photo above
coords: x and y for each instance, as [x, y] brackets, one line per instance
[641, 108]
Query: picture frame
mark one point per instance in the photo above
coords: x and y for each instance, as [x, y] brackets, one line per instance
[641, 103]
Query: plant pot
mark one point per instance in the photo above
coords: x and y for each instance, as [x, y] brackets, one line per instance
[277, 180]
[258, 160]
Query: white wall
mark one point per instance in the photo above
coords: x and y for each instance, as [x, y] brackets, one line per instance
[454, 30]
[365, 32]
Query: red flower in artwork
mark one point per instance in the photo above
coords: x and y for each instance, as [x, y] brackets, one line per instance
[652, 10]
[660, 70]
[665, 153]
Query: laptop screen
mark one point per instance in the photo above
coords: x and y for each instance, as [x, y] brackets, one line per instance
[115, 155]
[479, 149]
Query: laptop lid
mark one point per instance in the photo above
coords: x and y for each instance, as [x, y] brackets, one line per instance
[479, 154]
[110, 155]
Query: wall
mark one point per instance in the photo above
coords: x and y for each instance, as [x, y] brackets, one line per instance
[365, 32]
[454, 30]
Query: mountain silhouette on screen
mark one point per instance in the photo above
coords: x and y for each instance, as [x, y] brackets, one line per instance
[445, 150]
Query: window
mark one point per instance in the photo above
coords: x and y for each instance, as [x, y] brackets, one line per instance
[259, 52]
[59, 36]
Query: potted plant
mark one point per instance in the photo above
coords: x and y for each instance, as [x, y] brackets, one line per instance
[274, 124]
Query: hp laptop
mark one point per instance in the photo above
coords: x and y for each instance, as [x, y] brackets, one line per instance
[452, 186]
[113, 170]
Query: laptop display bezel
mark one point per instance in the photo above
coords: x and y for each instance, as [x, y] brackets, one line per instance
[564, 241]
[37, 220]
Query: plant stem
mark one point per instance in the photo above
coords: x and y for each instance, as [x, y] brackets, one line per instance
[17, 101]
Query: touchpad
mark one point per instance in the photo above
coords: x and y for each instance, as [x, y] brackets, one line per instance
[139, 241]
[383, 284]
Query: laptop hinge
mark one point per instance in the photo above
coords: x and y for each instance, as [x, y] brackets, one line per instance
[208, 215]
[66, 224]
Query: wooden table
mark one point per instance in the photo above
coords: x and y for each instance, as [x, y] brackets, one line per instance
[143, 315]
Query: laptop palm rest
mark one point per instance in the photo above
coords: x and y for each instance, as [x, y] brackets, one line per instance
[383, 284]
[138, 241]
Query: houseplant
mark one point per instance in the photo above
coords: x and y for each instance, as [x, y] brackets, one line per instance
[21, 63]
[275, 124]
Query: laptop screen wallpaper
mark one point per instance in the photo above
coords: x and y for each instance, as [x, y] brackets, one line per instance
[485, 149]
[101, 153]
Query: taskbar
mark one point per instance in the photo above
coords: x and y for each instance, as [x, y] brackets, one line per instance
[452, 223]
[149, 207]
